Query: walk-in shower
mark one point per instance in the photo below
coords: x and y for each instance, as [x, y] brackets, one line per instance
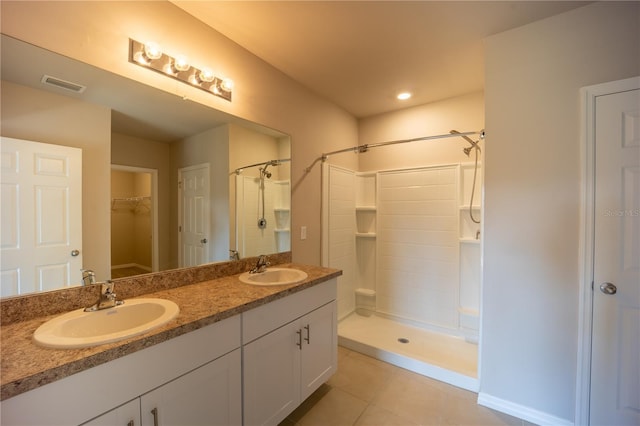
[262, 209]
[408, 242]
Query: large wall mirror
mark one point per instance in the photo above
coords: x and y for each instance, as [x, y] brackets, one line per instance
[165, 182]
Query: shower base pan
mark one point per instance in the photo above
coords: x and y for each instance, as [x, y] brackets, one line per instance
[446, 358]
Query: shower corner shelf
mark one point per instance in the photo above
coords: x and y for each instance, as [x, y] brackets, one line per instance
[283, 230]
[281, 209]
[365, 234]
[366, 208]
[469, 241]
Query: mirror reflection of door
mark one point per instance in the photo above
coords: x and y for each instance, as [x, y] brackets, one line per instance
[133, 246]
[41, 216]
[194, 215]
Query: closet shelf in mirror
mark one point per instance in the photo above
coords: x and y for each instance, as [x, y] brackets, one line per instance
[130, 202]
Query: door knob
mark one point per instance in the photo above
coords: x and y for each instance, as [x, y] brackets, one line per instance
[203, 241]
[75, 253]
[608, 288]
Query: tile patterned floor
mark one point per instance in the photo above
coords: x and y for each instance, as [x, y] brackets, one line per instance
[366, 391]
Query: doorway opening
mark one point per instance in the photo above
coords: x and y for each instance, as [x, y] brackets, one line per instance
[134, 229]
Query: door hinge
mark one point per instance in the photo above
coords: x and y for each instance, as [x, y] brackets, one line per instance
[179, 184]
[179, 228]
[591, 285]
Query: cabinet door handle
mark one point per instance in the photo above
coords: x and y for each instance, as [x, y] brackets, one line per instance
[155, 416]
[299, 344]
[308, 338]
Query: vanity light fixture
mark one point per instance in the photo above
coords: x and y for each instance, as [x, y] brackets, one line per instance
[149, 55]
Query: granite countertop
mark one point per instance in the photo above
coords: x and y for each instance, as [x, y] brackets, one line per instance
[26, 366]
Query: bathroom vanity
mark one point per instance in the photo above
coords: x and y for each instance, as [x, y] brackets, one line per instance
[235, 354]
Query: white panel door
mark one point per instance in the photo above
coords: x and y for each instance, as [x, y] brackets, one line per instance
[41, 216]
[615, 375]
[194, 215]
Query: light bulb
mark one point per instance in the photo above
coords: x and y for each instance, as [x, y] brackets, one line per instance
[206, 75]
[403, 96]
[141, 58]
[181, 63]
[152, 51]
[227, 84]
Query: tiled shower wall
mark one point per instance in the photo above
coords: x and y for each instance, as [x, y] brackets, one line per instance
[251, 240]
[418, 247]
[341, 250]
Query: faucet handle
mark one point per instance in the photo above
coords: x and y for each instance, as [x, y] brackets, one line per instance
[107, 290]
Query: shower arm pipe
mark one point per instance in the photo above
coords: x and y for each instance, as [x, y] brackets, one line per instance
[270, 163]
[359, 149]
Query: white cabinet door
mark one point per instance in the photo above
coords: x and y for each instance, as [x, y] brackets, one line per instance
[209, 395]
[125, 415]
[284, 367]
[272, 376]
[319, 349]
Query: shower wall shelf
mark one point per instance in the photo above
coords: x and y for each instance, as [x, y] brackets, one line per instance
[469, 241]
[366, 227]
[365, 234]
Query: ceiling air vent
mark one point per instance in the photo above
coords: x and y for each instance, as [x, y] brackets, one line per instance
[63, 84]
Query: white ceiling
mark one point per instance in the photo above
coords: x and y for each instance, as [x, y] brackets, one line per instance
[360, 54]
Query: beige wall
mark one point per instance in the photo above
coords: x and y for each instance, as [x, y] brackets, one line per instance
[533, 163]
[97, 33]
[463, 113]
[45, 117]
[209, 147]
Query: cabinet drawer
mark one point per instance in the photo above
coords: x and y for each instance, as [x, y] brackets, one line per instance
[260, 321]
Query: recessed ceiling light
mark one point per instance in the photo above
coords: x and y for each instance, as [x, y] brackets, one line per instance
[403, 96]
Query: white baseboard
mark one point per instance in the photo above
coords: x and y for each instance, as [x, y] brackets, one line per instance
[521, 411]
[131, 265]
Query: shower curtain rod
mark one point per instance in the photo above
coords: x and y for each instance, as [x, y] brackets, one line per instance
[270, 163]
[359, 149]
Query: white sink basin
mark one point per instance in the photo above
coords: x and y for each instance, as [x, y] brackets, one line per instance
[80, 329]
[274, 276]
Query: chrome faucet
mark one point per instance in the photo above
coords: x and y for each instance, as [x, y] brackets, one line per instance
[234, 255]
[88, 274]
[107, 298]
[261, 266]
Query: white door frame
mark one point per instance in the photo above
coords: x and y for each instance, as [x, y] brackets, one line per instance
[587, 222]
[155, 250]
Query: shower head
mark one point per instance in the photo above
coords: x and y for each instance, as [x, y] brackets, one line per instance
[468, 149]
[264, 172]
